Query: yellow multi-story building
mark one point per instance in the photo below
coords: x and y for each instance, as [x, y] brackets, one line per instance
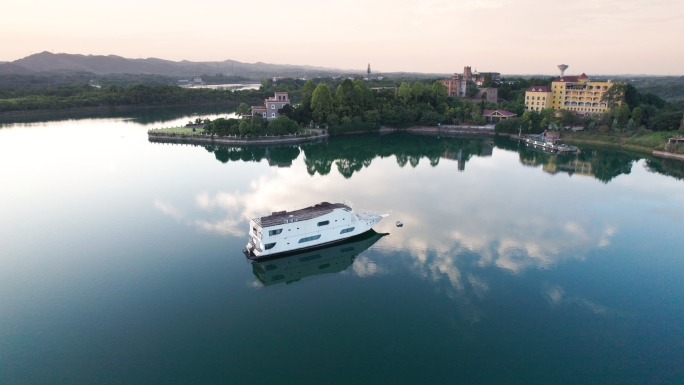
[572, 93]
[538, 97]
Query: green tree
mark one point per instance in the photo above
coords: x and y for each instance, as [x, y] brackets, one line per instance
[472, 89]
[339, 96]
[417, 90]
[620, 93]
[404, 91]
[487, 81]
[356, 99]
[527, 116]
[630, 125]
[308, 90]
[438, 92]
[371, 116]
[243, 108]
[332, 119]
[668, 121]
[638, 115]
[282, 125]
[568, 118]
[344, 93]
[430, 118]
[622, 114]
[321, 103]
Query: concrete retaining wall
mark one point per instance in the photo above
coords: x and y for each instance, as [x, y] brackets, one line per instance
[668, 155]
[222, 140]
[481, 130]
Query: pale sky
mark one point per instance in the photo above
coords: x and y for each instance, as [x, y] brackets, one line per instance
[526, 36]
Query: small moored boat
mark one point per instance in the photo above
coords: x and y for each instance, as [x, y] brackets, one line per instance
[546, 141]
[400, 224]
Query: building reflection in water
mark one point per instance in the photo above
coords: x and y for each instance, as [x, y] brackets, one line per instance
[326, 260]
[486, 150]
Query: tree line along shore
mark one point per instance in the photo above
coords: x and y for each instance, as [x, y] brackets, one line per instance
[344, 105]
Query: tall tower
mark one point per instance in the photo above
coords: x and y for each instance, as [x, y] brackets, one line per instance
[467, 73]
[562, 69]
[368, 71]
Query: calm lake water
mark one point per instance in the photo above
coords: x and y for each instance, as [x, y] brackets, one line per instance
[121, 262]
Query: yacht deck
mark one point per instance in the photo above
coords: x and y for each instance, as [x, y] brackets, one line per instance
[283, 217]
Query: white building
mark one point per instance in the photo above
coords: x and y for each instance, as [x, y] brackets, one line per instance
[271, 106]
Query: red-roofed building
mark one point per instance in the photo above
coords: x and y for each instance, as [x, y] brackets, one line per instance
[573, 93]
[271, 106]
[572, 79]
[538, 97]
[539, 89]
[494, 116]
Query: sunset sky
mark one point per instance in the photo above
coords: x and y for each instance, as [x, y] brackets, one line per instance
[523, 37]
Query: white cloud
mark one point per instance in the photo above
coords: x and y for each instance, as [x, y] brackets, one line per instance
[364, 267]
[168, 209]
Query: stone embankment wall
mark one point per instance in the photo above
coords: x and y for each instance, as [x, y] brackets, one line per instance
[668, 155]
[482, 130]
[228, 140]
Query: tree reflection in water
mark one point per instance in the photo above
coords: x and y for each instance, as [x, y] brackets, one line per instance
[351, 153]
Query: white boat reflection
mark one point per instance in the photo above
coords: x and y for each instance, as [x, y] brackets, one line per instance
[323, 260]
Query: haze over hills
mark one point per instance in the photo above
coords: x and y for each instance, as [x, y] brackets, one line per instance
[112, 64]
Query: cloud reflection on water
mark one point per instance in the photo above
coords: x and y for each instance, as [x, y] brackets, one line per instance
[440, 228]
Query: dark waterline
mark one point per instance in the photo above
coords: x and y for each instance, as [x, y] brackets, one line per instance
[121, 263]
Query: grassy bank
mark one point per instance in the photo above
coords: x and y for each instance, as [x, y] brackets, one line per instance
[643, 142]
[178, 130]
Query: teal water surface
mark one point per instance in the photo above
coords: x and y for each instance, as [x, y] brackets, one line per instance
[121, 262]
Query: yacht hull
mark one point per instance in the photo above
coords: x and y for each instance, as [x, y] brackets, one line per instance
[354, 238]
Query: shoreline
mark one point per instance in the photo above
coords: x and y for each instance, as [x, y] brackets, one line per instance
[668, 155]
[202, 139]
[632, 147]
[80, 110]
[614, 141]
[645, 142]
[183, 138]
[478, 130]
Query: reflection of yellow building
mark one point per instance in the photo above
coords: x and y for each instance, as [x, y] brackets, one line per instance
[572, 168]
[572, 93]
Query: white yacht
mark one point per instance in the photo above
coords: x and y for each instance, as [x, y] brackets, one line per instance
[318, 225]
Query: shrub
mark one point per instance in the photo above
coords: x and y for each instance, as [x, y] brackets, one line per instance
[669, 121]
[371, 116]
[353, 127]
[282, 125]
[333, 119]
[430, 118]
[677, 148]
[513, 125]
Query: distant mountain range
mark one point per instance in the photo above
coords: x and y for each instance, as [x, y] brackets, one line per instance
[112, 64]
